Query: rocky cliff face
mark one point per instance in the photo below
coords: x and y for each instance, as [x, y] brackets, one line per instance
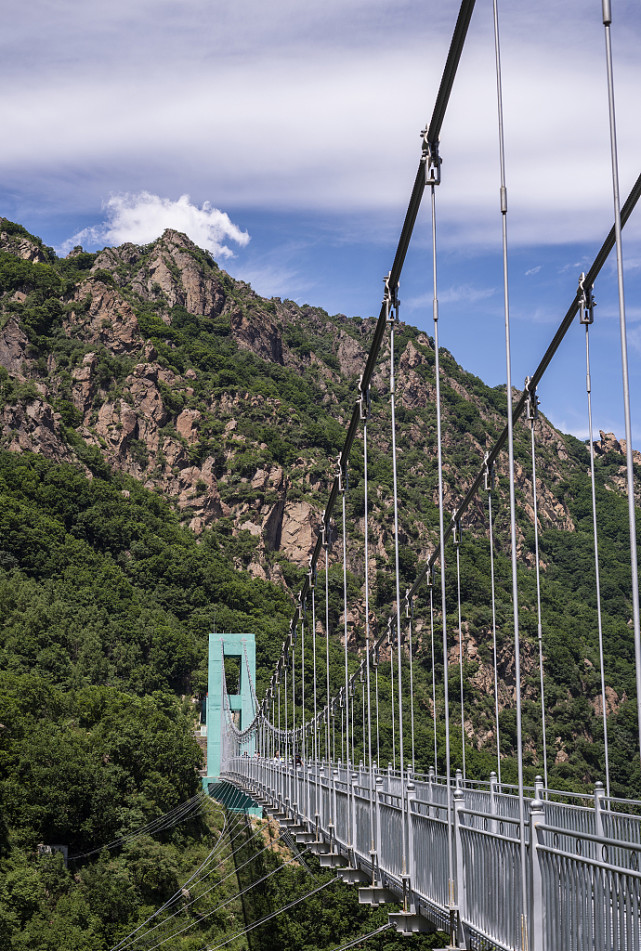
[155, 421]
[155, 362]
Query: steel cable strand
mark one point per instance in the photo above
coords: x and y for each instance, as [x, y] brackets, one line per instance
[191, 880]
[393, 302]
[391, 673]
[207, 892]
[457, 545]
[634, 570]
[441, 535]
[218, 907]
[175, 815]
[493, 587]
[532, 414]
[174, 897]
[315, 740]
[347, 704]
[430, 583]
[330, 714]
[595, 535]
[510, 441]
[411, 625]
[364, 410]
[266, 918]
[365, 937]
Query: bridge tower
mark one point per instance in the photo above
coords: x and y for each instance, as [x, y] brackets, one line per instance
[222, 646]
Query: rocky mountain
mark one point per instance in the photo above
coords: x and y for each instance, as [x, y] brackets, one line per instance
[154, 363]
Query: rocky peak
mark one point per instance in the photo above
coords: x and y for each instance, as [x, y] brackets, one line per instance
[21, 244]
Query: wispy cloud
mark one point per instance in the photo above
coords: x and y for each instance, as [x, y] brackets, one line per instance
[459, 294]
[143, 217]
[533, 270]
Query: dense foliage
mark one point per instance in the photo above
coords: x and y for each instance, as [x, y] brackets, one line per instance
[107, 597]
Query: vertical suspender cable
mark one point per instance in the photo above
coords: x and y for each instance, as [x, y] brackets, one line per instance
[391, 674]
[330, 712]
[315, 740]
[457, 545]
[365, 418]
[607, 20]
[346, 701]
[510, 440]
[489, 479]
[411, 625]
[441, 533]
[586, 318]
[294, 746]
[430, 580]
[378, 733]
[364, 738]
[532, 413]
[395, 303]
[302, 683]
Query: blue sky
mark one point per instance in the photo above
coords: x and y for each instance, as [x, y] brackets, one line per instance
[294, 130]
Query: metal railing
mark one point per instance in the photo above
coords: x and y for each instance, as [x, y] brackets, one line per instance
[583, 864]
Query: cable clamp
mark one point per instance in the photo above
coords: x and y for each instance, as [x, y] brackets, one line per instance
[587, 302]
[312, 573]
[408, 604]
[488, 473]
[341, 474]
[432, 160]
[363, 400]
[456, 530]
[429, 577]
[391, 300]
[532, 404]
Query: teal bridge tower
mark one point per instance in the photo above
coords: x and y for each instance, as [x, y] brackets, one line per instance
[222, 646]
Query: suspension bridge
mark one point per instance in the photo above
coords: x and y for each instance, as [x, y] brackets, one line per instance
[494, 865]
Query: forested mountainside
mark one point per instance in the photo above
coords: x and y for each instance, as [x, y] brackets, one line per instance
[167, 443]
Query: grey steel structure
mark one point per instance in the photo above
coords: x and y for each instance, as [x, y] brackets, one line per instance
[583, 868]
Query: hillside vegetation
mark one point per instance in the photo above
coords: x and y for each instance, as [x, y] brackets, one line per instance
[167, 441]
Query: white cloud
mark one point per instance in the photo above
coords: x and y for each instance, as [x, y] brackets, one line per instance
[141, 218]
[533, 270]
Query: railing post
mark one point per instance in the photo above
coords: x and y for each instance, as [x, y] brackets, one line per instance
[333, 818]
[318, 818]
[411, 868]
[599, 796]
[353, 783]
[493, 802]
[430, 787]
[537, 910]
[378, 794]
[459, 804]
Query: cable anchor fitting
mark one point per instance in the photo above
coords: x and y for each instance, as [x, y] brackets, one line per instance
[341, 474]
[312, 573]
[391, 300]
[456, 530]
[363, 401]
[587, 302]
[432, 160]
[488, 473]
[532, 404]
